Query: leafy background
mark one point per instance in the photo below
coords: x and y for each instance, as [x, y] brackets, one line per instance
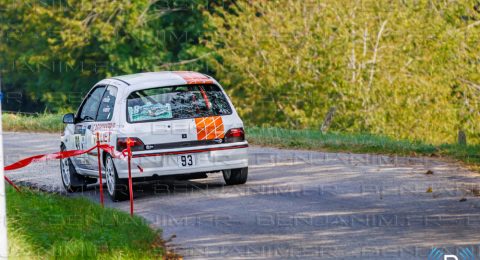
[405, 69]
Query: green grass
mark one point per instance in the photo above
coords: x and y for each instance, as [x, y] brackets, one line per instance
[33, 123]
[358, 143]
[301, 139]
[50, 226]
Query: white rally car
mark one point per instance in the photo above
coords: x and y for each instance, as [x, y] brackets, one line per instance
[182, 124]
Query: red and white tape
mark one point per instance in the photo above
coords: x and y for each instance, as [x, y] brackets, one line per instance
[124, 155]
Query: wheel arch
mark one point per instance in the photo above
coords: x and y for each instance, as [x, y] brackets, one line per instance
[104, 158]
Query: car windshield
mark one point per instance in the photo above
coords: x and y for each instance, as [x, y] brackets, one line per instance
[176, 102]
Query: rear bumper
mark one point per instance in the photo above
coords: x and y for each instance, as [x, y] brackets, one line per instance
[165, 162]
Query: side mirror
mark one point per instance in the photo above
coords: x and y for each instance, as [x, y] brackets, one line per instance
[69, 118]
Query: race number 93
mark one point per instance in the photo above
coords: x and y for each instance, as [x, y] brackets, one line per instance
[186, 160]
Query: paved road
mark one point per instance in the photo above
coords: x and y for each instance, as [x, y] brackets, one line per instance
[299, 204]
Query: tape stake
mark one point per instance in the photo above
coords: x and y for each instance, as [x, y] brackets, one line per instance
[11, 183]
[99, 170]
[130, 185]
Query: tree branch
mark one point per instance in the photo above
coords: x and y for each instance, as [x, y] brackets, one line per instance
[375, 50]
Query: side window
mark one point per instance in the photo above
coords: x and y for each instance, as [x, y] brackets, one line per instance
[88, 111]
[105, 111]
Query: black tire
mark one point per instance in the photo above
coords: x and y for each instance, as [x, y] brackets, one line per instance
[235, 176]
[117, 188]
[71, 180]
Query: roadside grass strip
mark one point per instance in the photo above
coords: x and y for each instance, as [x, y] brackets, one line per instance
[358, 143]
[48, 123]
[288, 138]
[50, 226]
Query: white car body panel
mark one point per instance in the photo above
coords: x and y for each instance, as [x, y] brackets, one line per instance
[155, 162]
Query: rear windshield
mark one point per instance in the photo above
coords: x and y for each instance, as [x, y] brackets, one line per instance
[176, 102]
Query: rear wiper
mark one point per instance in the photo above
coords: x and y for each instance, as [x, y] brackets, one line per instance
[141, 93]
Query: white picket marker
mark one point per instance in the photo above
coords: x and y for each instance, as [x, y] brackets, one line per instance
[3, 209]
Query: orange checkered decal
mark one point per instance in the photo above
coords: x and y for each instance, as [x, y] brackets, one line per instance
[209, 128]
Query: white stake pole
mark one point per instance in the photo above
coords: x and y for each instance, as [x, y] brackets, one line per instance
[3, 209]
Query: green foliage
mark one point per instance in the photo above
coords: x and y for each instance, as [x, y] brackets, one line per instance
[73, 44]
[57, 50]
[56, 227]
[405, 69]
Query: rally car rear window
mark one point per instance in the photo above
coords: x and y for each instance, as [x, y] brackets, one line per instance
[176, 102]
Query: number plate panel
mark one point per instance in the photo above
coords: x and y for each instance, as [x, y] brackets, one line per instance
[186, 160]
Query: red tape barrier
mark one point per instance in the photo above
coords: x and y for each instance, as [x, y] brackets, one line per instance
[59, 155]
[125, 154]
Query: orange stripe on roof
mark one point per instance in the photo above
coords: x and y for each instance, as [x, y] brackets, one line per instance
[192, 77]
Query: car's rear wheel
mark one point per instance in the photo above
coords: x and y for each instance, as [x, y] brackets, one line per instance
[235, 176]
[117, 188]
[72, 181]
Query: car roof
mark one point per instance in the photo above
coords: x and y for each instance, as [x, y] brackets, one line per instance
[182, 77]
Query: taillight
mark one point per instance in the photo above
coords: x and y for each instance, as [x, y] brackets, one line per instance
[135, 144]
[235, 135]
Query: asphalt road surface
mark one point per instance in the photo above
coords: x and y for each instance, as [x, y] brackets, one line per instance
[298, 204]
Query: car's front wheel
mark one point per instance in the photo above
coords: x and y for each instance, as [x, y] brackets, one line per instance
[72, 181]
[235, 176]
[117, 188]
